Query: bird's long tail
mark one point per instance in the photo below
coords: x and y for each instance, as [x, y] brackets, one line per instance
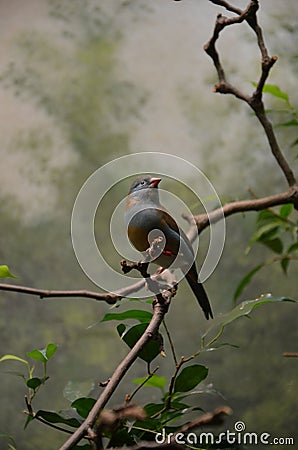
[200, 294]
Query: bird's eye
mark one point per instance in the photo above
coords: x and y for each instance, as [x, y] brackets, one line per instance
[142, 183]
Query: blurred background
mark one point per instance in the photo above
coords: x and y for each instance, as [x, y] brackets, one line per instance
[83, 83]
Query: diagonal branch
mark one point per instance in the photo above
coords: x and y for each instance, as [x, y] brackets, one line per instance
[159, 310]
[161, 304]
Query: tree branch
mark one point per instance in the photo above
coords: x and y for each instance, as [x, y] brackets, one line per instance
[255, 100]
[202, 221]
[159, 310]
[110, 297]
[290, 354]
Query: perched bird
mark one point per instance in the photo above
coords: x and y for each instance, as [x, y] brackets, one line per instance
[143, 215]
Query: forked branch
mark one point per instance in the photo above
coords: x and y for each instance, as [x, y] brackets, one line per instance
[249, 14]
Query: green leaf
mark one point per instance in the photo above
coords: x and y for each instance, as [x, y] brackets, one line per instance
[83, 406]
[53, 417]
[266, 216]
[14, 358]
[176, 404]
[246, 280]
[44, 354]
[121, 329]
[153, 408]
[293, 247]
[150, 350]
[5, 272]
[190, 377]
[171, 415]
[284, 264]
[241, 310]
[275, 245]
[34, 383]
[50, 350]
[265, 232]
[286, 210]
[274, 90]
[154, 381]
[295, 142]
[28, 420]
[289, 123]
[141, 316]
[11, 446]
[39, 355]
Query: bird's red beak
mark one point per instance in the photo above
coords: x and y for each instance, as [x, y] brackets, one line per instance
[154, 182]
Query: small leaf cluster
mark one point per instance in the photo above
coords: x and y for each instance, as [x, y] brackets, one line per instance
[172, 406]
[32, 382]
[277, 229]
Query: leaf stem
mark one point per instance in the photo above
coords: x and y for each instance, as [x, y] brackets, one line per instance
[170, 342]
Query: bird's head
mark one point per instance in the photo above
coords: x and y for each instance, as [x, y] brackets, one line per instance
[144, 190]
[144, 182]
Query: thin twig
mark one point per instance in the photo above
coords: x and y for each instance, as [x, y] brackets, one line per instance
[170, 342]
[171, 389]
[129, 397]
[172, 383]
